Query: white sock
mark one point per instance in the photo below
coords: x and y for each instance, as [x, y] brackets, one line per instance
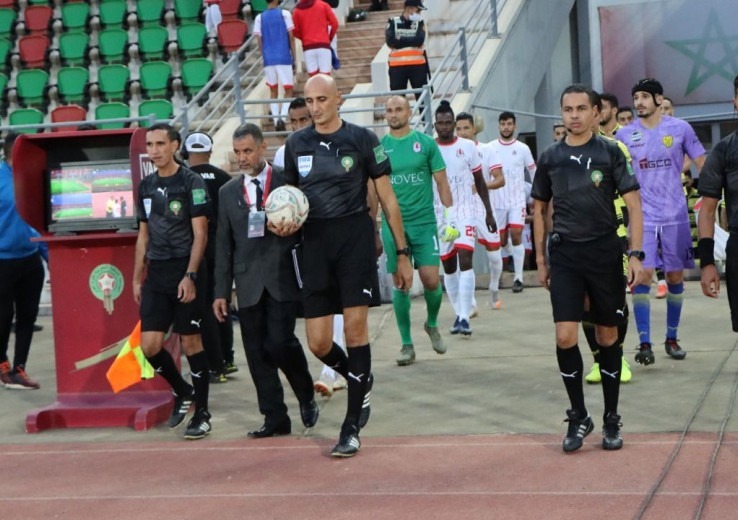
[466, 293]
[508, 248]
[283, 111]
[451, 282]
[274, 107]
[495, 269]
[328, 373]
[518, 256]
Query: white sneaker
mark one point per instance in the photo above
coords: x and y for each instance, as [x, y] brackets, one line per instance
[340, 383]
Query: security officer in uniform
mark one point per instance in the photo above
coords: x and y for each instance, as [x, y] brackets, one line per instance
[405, 36]
[172, 210]
[582, 174]
[197, 149]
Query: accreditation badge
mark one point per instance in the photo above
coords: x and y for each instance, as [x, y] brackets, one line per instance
[257, 224]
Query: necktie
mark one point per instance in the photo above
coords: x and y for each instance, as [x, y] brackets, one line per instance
[259, 195]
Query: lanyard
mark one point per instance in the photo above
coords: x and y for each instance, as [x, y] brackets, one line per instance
[264, 190]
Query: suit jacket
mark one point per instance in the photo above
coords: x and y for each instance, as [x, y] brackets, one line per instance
[257, 264]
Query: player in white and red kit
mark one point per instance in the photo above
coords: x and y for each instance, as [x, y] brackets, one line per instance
[510, 200]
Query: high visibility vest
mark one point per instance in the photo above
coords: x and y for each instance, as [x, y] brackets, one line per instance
[407, 55]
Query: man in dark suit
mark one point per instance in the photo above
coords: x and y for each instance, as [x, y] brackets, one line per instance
[266, 286]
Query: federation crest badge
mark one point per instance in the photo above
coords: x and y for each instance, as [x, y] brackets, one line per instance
[347, 162]
[668, 140]
[106, 284]
[175, 207]
[459, 153]
[416, 147]
[304, 164]
[597, 177]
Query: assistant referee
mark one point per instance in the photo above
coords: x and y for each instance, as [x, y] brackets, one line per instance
[331, 161]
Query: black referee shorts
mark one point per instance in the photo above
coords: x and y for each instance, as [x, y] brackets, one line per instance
[339, 268]
[160, 307]
[731, 278]
[594, 268]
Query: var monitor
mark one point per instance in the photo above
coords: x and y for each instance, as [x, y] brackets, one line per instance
[89, 196]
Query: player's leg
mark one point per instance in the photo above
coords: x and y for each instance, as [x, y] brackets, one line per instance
[465, 247]
[287, 80]
[311, 61]
[325, 61]
[641, 301]
[272, 80]
[426, 253]
[400, 299]
[678, 254]
[491, 243]
[450, 277]
[330, 380]
[515, 229]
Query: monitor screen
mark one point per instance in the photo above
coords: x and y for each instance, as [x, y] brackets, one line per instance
[91, 195]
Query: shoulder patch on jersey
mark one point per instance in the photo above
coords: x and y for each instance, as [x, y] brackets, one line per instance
[304, 164]
[379, 154]
[629, 167]
[198, 196]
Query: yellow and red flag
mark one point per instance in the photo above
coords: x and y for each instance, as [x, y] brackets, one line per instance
[130, 366]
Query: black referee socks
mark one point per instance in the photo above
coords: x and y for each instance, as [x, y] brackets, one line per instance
[200, 372]
[571, 367]
[337, 360]
[164, 365]
[359, 369]
[611, 359]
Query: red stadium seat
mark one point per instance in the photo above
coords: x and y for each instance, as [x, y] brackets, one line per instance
[231, 35]
[231, 9]
[32, 50]
[10, 4]
[67, 113]
[37, 18]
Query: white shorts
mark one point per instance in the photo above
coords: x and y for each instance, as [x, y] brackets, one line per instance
[276, 75]
[318, 60]
[468, 230]
[484, 236]
[510, 218]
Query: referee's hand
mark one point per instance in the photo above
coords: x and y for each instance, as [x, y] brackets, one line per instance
[544, 277]
[220, 309]
[284, 230]
[186, 291]
[710, 281]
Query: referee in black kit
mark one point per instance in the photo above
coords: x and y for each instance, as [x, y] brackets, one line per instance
[582, 173]
[332, 161]
[172, 210]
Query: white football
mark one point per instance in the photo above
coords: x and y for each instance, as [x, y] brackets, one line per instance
[285, 205]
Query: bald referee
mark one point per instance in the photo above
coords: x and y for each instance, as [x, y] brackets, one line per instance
[331, 161]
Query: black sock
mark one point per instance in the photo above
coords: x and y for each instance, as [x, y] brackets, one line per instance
[337, 360]
[623, 327]
[359, 368]
[164, 365]
[571, 367]
[200, 378]
[589, 333]
[610, 365]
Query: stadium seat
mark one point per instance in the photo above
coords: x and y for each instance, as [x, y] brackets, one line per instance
[196, 72]
[161, 108]
[153, 43]
[33, 49]
[65, 113]
[187, 11]
[113, 14]
[3, 83]
[111, 111]
[73, 48]
[231, 35]
[30, 86]
[40, 2]
[149, 12]
[8, 4]
[5, 50]
[71, 84]
[113, 44]
[231, 9]
[155, 78]
[75, 17]
[191, 40]
[8, 19]
[26, 116]
[112, 82]
[38, 19]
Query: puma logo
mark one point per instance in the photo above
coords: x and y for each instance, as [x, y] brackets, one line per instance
[356, 378]
[613, 375]
[367, 291]
[163, 191]
[620, 313]
[196, 323]
[589, 161]
[572, 375]
[577, 159]
[327, 145]
[196, 375]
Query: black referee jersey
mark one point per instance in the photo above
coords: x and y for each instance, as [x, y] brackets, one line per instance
[333, 169]
[583, 181]
[719, 173]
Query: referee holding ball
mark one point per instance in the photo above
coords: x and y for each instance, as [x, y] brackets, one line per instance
[331, 162]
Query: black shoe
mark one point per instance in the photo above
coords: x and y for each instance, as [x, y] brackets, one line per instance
[517, 286]
[455, 328]
[611, 439]
[309, 413]
[180, 408]
[199, 425]
[464, 328]
[578, 429]
[271, 430]
[644, 354]
[348, 445]
[36, 327]
[217, 378]
[280, 126]
[674, 350]
[366, 407]
[230, 367]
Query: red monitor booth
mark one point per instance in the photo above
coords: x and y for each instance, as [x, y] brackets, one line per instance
[76, 188]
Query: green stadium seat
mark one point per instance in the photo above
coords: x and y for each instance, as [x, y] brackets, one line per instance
[113, 14]
[153, 43]
[62, 114]
[73, 49]
[161, 108]
[113, 45]
[30, 86]
[3, 83]
[26, 116]
[71, 84]
[191, 40]
[149, 12]
[75, 16]
[5, 50]
[8, 18]
[111, 111]
[187, 11]
[40, 2]
[196, 72]
[155, 78]
[112, 81]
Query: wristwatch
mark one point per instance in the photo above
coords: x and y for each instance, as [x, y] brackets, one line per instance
[404, 251]
[640, 255]
[191, 275]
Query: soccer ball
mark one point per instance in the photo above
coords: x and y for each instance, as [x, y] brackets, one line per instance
[285, 205]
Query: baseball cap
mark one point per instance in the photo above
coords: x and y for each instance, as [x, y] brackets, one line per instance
[198, 142]
[415, 3]
[649, 85]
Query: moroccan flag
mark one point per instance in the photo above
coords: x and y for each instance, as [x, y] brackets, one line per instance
[131, 366]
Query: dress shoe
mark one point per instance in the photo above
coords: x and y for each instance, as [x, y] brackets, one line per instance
[309, 413]
[271, 430]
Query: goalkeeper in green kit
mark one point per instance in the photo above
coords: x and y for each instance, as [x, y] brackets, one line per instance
[416, 162]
